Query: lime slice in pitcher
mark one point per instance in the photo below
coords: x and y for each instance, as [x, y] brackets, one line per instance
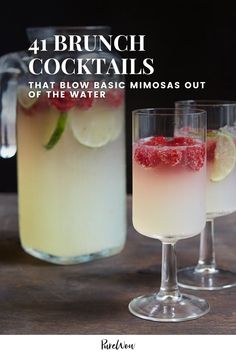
[24, 99]
[224, 157]
[94, 127]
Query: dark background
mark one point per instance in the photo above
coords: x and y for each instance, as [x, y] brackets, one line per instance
[189, 41]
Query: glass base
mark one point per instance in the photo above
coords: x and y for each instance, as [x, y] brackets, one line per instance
[153, 308]
[72, 260]
[206, 279]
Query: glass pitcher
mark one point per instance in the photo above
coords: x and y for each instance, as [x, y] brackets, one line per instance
[70, 157]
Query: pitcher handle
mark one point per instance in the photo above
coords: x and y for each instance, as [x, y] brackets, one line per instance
[11, 67]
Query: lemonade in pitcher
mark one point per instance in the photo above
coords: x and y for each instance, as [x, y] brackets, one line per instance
[71, 165]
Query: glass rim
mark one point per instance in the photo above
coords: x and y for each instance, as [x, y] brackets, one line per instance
[168, 111]
[208, 103]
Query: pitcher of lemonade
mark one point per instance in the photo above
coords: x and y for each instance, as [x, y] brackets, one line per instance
[70, 157]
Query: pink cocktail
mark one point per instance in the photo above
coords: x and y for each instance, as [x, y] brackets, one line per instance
[169, 200]
[169, 187]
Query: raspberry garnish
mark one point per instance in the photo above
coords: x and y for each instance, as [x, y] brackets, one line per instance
[170, 157]
[157, 151]
[194, 157]
[156, 141]
[146, 157]
[84, 102]
[181, 141]
[211, 146]
[114, 97]
[65, 103]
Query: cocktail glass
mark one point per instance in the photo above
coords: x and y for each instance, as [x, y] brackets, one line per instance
[221, 192]
[169, 185]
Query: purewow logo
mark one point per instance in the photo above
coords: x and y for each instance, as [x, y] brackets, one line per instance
[117, 345]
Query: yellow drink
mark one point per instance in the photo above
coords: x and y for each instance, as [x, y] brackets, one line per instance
[71, 197]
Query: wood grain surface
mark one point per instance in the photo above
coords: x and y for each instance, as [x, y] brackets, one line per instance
[92, 298]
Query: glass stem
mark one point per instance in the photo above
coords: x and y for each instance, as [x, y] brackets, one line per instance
[169, 289]
[206, 262]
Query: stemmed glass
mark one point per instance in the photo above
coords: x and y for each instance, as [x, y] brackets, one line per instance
[169, 185]
[221, 192]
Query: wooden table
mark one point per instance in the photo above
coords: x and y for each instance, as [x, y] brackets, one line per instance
[92, 298]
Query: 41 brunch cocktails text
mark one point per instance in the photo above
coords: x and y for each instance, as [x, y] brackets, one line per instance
[87, 64]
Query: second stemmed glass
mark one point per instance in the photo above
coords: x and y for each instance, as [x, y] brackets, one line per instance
[169, 185]
[221, 192]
